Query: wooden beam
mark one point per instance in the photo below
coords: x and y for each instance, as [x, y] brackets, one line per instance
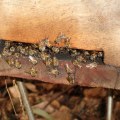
[101, 76]
[91, 24]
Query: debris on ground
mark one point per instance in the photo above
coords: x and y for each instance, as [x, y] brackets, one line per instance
[56, 102]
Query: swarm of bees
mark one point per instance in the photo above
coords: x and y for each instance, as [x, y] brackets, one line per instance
[47, 53]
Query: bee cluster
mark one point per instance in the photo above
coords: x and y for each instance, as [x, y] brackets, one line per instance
[47, 53]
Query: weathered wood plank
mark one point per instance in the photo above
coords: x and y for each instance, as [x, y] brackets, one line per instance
[91, 24]
[101, 76]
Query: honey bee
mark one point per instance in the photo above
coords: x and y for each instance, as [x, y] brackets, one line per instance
[44, 56]
[17, 55]
[93, 56]
[55, 50]
[76, 63]
[92, 65]
[70, 78]
[86, 53]
[54, 71]
[18, 48]
[26, 51]
[80, 58]
[33, 60]
[55, 62]
[100, 54]
[59, 38]
[46, 42]
[48, 62]
[12, 49]
[7, 44]
[10, 61]
[67, 42]
[42, 45]
[33, 72]
[31, 52]
[6, 52]
[17, 64]
[73, 53]
[42, 48]
[22, 50]
[34, 45]
[68, 69]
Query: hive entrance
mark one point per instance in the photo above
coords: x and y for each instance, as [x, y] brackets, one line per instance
[50, 55]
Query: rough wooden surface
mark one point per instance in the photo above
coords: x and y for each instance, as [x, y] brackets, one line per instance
[101, 76]
[91, 24]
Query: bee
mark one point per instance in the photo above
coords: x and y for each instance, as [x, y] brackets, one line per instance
[34, 45]
[48, 62]
[44, 56]
[73, 53]
[26, 51]
[6, 52]
[10, 61]
[22, 50]
[12, 49]
[42, 48]
[59, 38]
[67, 42]
[31, 52]
[92, 65]
[68, 69]
[18, 48]
[55, 50]
[55, 62]
[100, 54]
[17, 55]
[7, 44]
[46, 42]
[76, 63]
[17, 64]
[33, 72]
[54, 71]
[33, 60]
[70, 78]
[80, 58]
[86, 53]
[93, 56]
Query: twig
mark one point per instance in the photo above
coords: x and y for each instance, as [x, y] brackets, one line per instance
[20, 99]
[10, 98]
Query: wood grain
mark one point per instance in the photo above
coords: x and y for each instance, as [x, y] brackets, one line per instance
[91, 24]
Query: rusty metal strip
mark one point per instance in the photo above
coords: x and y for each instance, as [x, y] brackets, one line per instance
[101, 76]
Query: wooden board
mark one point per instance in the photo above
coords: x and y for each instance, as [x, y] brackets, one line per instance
[101, 76]
[91, 24]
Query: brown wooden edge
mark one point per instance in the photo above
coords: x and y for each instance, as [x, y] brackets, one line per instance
[102, 76]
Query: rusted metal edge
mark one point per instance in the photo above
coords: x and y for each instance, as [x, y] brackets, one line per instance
[102, 76]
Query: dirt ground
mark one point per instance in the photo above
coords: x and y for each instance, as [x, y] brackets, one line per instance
[56, 102]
